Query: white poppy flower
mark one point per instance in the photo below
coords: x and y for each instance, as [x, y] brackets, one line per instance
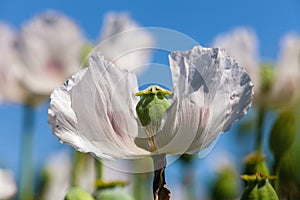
[50, 47]
[59, 169]
[8, 187]
[94, 111]
[242, 45]
[286, 88]
[123, 43]
[10, 88]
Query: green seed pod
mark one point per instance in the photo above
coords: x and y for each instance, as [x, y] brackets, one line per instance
[258, 188]
[152, 106]
[77, 193]
[151, 109]
[113, 194]
[283, 134]
[255, 163]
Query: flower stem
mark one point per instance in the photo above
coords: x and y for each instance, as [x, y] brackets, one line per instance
[260, 127]
[160, 190]
[99, 168]
[26, 181]
[77, 165]
[142, 183]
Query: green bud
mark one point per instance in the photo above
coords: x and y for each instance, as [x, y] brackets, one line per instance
[258, 188]
[267, 78]
[255, 163]
[226, 185]
[113, 194]
[283, 134]
[77, 193]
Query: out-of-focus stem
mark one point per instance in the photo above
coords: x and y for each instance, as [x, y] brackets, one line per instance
[142, 185]
[26, 186]
[260, 129]
[77, 166]
[99, 168]
[188, 183]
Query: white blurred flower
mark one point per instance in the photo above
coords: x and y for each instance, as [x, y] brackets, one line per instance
[286, 88]
[58, 169]
[242, 45]
[10, 88]
[123, 43]
[50, 47]
[8, 187]
[94, 111]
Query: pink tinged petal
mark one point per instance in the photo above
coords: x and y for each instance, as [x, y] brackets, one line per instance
[50, 46]
[103, 102]
[242, 45]
[124, 43]
[211, 92]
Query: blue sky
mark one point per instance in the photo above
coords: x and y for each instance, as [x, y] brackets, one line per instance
[200, 20]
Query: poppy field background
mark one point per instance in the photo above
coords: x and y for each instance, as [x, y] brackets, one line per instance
[200, 20]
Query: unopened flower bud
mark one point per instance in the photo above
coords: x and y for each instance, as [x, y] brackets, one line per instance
[283, 134]
[267, 78]
[77, 193]
[255, 163]
[258, 188]
[226, 185]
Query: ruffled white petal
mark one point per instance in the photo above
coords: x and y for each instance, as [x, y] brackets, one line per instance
[50, 46]
[61, 116]
[124, 43]
[287, 72]
[97, 114]
[210, 93]
[241, 44]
